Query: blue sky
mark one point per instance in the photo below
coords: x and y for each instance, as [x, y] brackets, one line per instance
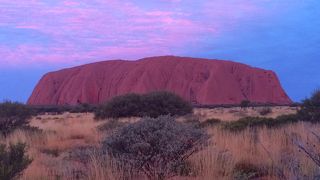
[38, 36]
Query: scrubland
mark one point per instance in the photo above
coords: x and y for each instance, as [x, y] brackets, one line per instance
[66, 146]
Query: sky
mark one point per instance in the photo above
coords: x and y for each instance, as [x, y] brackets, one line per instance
[38, 36]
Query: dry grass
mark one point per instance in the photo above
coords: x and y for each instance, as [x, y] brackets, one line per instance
[49, 149]
[263, 147]
[235, 113]
[268, 149]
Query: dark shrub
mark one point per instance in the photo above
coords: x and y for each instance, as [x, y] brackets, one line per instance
[60, 109]
[121, 106]
[265, 111]
[13, 160]
[52, 152]
[246, 122]
[246, 171]
[82, 108]
[243, 123]
[285, 119]
[186, 168]
[164, 103]
[210, 122]
[245, 103]
[13, 115]
[310, 108]
[156, 147]
[152, 104]
[52, 109]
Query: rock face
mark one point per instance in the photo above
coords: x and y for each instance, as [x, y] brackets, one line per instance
[200, 81]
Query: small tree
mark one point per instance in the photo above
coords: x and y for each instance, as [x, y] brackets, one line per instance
[12, 116]
[156, 147]
[310, 109]
[153, 104]
[164, 103]
[120, 106]
[13, 160]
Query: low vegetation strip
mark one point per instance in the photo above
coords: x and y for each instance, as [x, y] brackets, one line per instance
[246, 122]
[153, 104]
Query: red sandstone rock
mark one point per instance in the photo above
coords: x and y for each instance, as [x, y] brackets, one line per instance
[200, 81]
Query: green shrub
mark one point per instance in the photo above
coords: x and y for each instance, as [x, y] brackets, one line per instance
[13, 160]
[283, 120]
[153, 104]
[243, 123]
[164, 103]
[155, 146]
[210, 122]
[13, 115]
[246, 122]
[120, 106]
[310, 108]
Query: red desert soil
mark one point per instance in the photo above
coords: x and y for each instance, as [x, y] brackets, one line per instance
[200, 81]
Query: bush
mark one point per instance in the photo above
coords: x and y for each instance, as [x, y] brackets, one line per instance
[244, 171]
[152, 104]
[310, 108]
[82, 108]
[186, 169]
[243, 123]
[246, 122]
[156, 147]
[60, 109]
[265, 111]
[13, 115]
[210, 122]
[121, 106]
[164, 103]
[13, 160]
[245, 103]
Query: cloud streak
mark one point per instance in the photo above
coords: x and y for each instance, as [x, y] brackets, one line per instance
[81, 31]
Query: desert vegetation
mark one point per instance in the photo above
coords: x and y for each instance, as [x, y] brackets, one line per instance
[152, 104]
[218, 143]
[13, 160]
[12, 116]
[310, 108]
[158, 147]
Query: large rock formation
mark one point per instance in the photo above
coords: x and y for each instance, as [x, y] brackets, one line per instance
[200, 81]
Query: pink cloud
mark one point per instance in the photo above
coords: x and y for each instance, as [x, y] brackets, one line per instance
[91, 29]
